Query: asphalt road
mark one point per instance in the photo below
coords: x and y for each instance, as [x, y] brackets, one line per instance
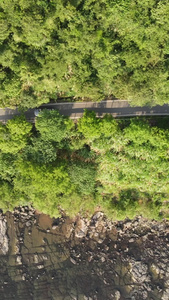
[118, 108]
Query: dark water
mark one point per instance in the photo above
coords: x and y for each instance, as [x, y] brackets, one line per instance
[43, 258]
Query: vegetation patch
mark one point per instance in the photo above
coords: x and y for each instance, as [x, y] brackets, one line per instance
[120, 166]
[83, 49]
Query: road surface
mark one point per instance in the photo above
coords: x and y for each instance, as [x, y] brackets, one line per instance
[117, 108]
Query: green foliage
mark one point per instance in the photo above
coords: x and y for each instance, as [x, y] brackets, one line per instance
[18, 127]
[77, 141]
[119, 166]
[33, 179]
[13, 136]
[132, 203]
[7, 169]
[88, 125]
[109, 126]
[100, 134]
[41, 185]
[146, 142]
[8, 199]
[52, 126]
[82, 175]
[40, 151]
[77, 203]
[4, 28]
[45, 50]
[92, 127]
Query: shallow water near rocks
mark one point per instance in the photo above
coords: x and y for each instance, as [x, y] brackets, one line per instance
[43, 258]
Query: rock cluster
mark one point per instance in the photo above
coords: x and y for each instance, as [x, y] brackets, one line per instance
[3, 236]
[82, 259]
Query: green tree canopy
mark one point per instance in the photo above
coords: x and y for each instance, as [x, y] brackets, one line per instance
[13, 136]
[52, 126]
[82, 175]
[41, 185]
[119, 165]
[45, 51]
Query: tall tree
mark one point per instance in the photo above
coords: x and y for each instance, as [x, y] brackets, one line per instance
[52, 126]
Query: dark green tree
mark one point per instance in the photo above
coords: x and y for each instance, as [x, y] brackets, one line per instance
[52, 126]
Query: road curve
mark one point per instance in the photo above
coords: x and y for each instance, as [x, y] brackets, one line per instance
[117, 108]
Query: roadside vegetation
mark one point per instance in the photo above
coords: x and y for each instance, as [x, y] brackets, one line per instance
[118, 166]
[83, 50]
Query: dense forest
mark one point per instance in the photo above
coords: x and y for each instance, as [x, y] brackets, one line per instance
[52, 49]
[118, 166]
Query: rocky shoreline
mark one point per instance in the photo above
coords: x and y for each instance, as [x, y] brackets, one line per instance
[81, 259]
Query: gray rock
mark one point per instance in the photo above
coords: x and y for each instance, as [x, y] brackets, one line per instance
[165, 295]
[117, 295]
[139, 272]
[4, 246]
[97, 215]
[28, 223]
[19, 260]
[80, 229]
[72, 261]
[36, 259]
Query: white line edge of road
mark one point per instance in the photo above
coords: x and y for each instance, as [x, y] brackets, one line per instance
[104, 101]
[126, 115]
[32, 120]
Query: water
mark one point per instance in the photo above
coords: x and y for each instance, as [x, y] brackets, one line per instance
[82, 259]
